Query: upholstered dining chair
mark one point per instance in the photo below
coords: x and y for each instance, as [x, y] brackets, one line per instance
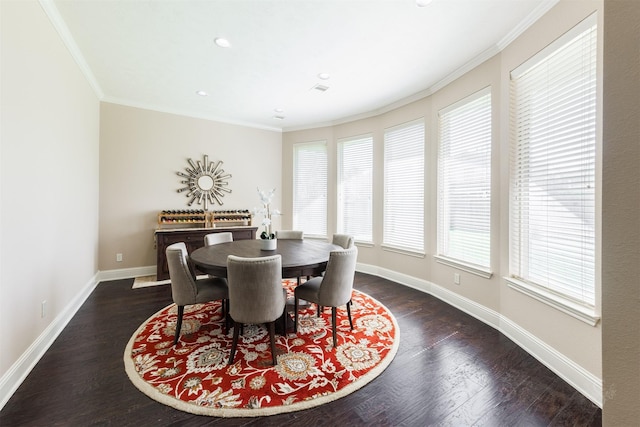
[256, 295]
[333, 289]
[216, 238]
[186, 289]
[290, 234]
[344, 240]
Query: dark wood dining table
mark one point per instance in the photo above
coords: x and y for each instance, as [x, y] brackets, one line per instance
[299, 257]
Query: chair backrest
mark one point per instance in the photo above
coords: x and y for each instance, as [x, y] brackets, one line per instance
[183, 284]
[216, 238]
[343, 240]
[255, 288]
[337, 283]
[290, 234]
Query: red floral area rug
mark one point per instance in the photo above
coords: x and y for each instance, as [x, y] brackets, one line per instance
[195, 376]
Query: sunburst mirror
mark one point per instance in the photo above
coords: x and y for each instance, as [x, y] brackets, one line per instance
[206, 182]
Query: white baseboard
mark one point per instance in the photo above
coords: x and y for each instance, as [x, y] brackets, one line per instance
[126, 273]
[579, 378]
[16, 374]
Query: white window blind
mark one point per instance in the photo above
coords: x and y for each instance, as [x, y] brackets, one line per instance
[553, 132]
[310, 188]
[355, 186]
[403, 224]
[464, 180]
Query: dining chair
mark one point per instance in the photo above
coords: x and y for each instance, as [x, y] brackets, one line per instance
[216, 238]
[256, 295]
[290, 234]
[344, 240]
[186, 289]
[333, 289]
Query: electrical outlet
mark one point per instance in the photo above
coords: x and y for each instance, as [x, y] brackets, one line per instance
[43, 309]
[456, 278]
[118, 257]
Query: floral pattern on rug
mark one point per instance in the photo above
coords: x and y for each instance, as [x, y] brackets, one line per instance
[195, 376]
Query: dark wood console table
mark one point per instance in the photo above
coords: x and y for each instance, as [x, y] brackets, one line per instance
[194, 239]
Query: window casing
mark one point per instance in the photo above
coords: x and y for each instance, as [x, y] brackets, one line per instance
[464, 181]
[355, 187]
[403, 223]
[553, 133]
[310, 188]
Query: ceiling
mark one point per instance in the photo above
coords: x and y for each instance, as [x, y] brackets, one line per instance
[379, 54]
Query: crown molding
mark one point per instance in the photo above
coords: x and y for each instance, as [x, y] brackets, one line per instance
[58, 23]
[528, 21]
[128, 103]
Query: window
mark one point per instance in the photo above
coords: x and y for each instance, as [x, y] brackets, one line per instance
[464, 181]
[355, 186]
[404, 187]
[310, 188]
[553, 132]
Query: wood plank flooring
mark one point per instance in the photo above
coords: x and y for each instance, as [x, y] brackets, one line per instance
[450, 370]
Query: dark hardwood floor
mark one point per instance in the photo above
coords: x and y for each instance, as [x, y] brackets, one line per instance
[450, 370]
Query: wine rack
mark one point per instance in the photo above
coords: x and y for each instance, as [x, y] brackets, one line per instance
[231, 218]
[187, 218]
[204, 219]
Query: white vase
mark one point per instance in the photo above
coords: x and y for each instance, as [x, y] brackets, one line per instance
[269, 244]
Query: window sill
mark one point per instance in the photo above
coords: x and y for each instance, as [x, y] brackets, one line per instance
[469, 268]
[403, 251]
[580, 312]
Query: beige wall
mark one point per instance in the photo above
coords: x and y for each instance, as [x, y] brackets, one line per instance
[579, 342]
[49, 181]
[621, 214]
[140, 153]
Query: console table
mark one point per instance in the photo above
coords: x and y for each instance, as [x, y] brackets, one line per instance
[194, 239]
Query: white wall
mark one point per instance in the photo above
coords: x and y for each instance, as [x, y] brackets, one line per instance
[49, 186]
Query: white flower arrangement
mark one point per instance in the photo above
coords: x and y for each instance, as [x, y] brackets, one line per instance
[267, 213]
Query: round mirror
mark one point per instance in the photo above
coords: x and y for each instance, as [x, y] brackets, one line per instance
[205, 183]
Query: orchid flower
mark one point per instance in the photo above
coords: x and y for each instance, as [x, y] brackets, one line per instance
[267, 212]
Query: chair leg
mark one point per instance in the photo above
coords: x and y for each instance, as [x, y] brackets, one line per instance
[272, 338]
[349, 313]
[285, 320]
[225, 323]
[236, 331]
[178, 324]
[333, 325]
[295, 316]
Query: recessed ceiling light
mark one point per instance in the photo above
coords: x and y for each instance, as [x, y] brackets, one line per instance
[324, 76]
[278, 117]
[222, 42]
[278, 110]
[423, 3]
[201, 93]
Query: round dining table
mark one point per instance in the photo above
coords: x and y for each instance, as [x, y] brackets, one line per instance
[300, 258]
